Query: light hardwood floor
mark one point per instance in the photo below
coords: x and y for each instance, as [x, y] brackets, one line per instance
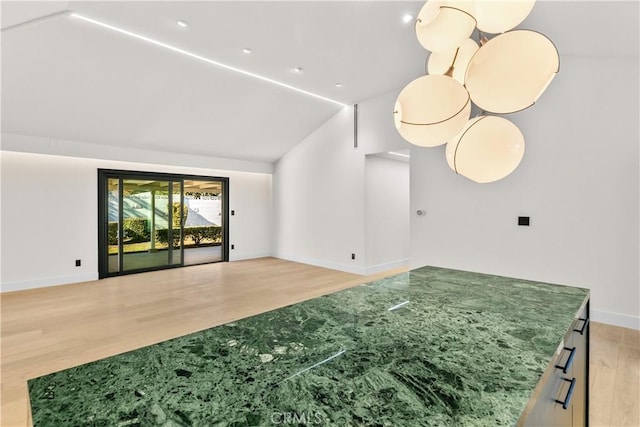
[614, 371]
[50, 329]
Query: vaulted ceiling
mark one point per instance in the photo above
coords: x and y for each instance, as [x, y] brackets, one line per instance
[66, 78]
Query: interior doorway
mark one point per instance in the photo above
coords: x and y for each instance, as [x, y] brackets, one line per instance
[387, 210]
[150, 221]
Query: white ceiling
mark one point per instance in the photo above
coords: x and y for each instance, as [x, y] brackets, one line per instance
[68, 79]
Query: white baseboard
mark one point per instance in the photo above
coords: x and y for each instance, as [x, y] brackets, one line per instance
[616, 319]
[355, 269]
[242, 257]
[49, 281]
[386, 266]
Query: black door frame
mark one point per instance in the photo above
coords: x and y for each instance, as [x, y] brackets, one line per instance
[105, 174]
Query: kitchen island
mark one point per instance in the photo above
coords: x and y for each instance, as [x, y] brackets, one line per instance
[429, 347]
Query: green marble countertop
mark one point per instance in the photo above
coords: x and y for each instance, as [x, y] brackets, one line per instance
[432, 347]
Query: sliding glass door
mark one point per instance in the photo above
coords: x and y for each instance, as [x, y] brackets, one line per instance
[154, 221]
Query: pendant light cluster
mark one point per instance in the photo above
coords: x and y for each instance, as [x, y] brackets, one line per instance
[501, 75]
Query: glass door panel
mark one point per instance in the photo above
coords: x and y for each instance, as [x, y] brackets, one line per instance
[179, 215]
[204, 223]
[145, 224]
[113, 225]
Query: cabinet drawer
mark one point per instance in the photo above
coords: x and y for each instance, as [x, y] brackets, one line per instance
[548, 411]
[563, 396]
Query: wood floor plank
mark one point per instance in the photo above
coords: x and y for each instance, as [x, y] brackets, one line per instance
[602, 389]
[606, 332]
[625, 409]
[605, 352]
[630, 338]
[15, 407]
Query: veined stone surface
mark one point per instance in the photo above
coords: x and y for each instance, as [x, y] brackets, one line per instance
[432, 347]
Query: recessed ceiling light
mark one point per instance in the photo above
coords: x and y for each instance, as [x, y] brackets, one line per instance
[338, 84]
[246, 50]
[407, 18]
[298, 69]
[182, 23]
[202, 58]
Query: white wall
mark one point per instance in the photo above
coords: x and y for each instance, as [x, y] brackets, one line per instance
[251, 228]
[49, 216]
[319, 199]
[61, 147]
[376, 131]
[578, 182]
[319, 188]
[49, 219]
[386, 214]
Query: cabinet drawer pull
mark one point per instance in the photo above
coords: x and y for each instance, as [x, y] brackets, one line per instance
[567, 398]
[584, 326]
[567, 365]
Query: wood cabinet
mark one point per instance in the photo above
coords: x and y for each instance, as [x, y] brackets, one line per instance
[579, 339]
[562, 396]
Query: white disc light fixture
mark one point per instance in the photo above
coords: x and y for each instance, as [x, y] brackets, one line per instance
[440, 62]
[488, 149]
[431, 110]
[498, 16]
[503, 74]
[443, 25]
[511, 71]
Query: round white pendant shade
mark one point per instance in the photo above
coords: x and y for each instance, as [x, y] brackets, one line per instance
[488, 149]
[511, 71]
[498, 16]
[442, 25]
[431, 110]
[439, 62]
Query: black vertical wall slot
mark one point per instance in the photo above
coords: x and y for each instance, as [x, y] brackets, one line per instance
[355, 125]
[78, 263]
[523, 220]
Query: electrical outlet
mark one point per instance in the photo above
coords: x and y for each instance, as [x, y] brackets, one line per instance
[523, 220]
[233, 246]
[78, 263]
[353, 256]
